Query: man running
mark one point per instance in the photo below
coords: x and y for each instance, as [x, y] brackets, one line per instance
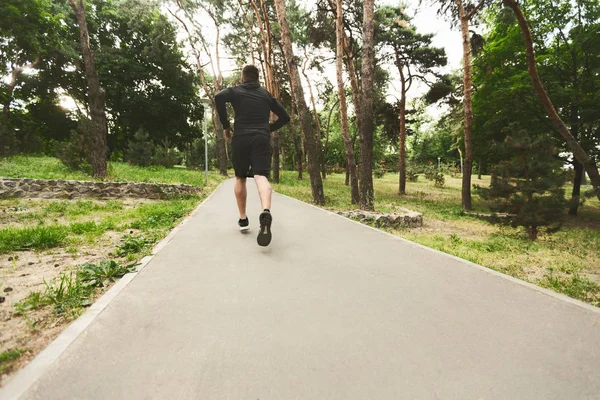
[251, 143]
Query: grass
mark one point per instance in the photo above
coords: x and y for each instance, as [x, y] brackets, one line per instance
[567, 261]
[52, 168]
[8, 357]
[32, 238]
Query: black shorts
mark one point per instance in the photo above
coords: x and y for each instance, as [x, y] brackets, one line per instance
[251, 150]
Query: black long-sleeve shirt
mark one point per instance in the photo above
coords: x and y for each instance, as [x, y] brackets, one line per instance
[252, 105]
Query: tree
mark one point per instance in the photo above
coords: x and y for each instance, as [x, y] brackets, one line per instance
[29, 32]
[306, 121]
[348, 145]
[196, 38]
[415, 59]
[529, 186]
[365, 109]
[465, 11]
[579, 153]
[96, 96]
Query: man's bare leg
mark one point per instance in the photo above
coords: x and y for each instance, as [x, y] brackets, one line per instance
[240, 196]
[264, 191]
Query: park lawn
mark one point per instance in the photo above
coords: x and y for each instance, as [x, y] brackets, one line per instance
[45, 243]
[567, 261]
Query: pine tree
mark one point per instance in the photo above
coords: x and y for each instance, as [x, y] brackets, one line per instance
[529, 186]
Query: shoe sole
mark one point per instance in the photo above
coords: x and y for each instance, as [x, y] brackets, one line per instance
[264, 235]
[244, 228]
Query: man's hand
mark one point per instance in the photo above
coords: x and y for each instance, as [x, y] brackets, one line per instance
[228, 134]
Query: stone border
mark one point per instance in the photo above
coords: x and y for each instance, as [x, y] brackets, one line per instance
[62, 189]
[407, 218]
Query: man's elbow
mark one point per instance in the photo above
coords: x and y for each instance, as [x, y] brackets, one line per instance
[285, 119]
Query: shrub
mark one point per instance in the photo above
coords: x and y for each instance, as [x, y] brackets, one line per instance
[140, 149]
[74, 154]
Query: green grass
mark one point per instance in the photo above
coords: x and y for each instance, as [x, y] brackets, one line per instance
[132, 245]
[32, 238]
[52, 168]
[7, 358]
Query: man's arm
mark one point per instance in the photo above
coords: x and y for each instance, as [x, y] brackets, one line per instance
[224, 96]
[283, 117]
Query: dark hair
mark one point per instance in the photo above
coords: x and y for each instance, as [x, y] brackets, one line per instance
[250, 73]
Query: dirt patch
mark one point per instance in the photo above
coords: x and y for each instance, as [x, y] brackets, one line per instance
[25, 272]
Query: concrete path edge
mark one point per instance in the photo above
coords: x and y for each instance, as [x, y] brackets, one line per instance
[23, 380]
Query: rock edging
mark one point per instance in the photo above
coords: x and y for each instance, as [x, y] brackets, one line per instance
[63, 189]
[406, 218]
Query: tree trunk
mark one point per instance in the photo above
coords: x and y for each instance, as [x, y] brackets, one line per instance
[276, 159]
[349, 62]
[328, 126]
[350, 162]
[96, 96]
[305, 120]
[478, 169]
[579, 153]
[462, 166]
[402, 148]
[347, 181]
[297, 144]
[576, 194]
[220, 142]
[316, 115]
[367, 195]
[468, 94]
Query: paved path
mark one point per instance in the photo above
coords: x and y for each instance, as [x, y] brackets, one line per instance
[331, 310]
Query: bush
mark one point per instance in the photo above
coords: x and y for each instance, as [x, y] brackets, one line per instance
[166, 156]
[529, 186]
[140, 149]
[433, 173]
[411, 174]
[439, 180]
[379, 170]
[74, 154]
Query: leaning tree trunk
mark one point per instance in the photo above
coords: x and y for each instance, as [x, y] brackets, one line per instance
[350, 162]
[468, 95]
[306, 121]
[588, 164]
[367, 195]
[96, 96]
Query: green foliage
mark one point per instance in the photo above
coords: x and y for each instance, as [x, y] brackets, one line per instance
[160, 215]
[66, 294]
[529, 186]
[573, 285]
[379, 170]
[74, 154]
[412, 173]
[32, 238]
[102, 274]
[132, 245]
[7, 357]
[140, 149]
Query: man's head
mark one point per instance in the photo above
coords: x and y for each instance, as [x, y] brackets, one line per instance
[249, 74]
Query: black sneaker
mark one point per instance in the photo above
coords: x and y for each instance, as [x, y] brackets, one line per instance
[244, 224]
[264, 236]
